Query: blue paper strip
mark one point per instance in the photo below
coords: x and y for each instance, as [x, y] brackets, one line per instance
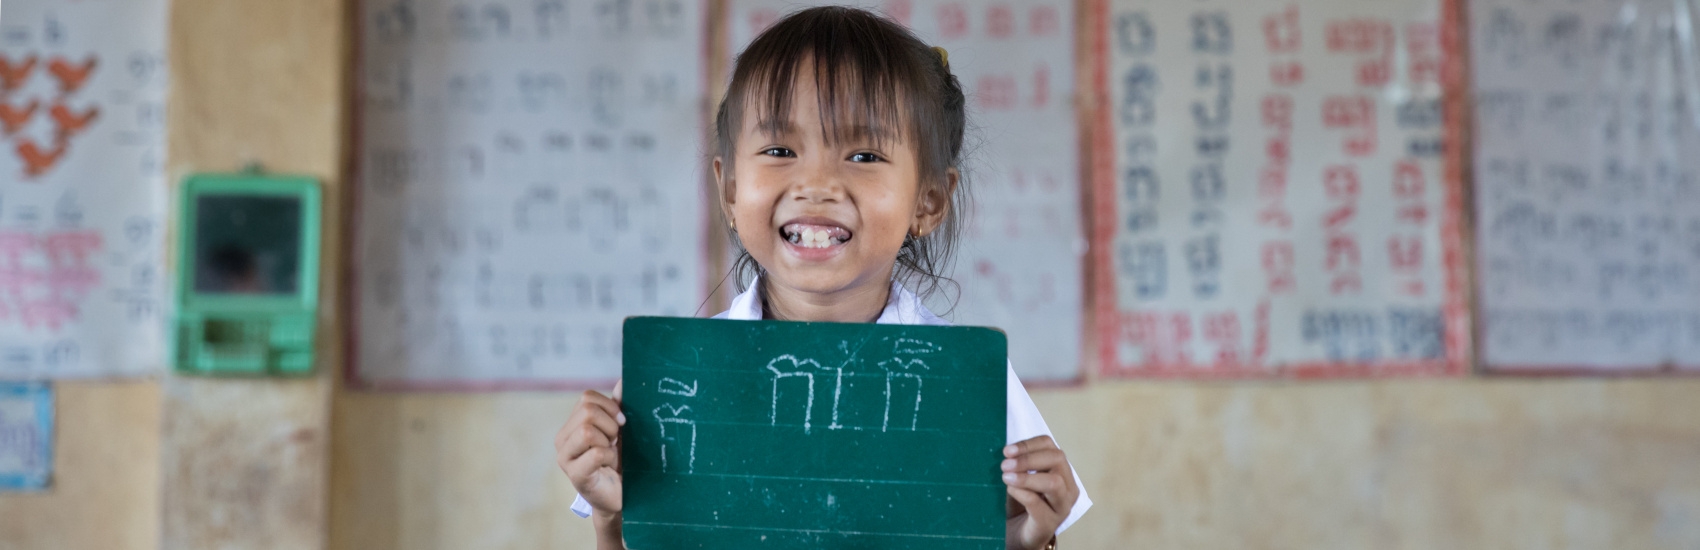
[26, 436]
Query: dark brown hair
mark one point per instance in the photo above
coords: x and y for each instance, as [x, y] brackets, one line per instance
[871, 73]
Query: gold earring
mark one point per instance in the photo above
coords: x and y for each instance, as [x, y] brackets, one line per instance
[733, 224]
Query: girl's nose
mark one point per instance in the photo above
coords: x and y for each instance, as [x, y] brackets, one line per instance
[818, 184]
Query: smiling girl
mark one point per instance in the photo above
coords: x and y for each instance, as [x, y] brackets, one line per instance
[838, 146]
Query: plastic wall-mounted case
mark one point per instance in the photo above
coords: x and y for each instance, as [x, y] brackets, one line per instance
[247, 275]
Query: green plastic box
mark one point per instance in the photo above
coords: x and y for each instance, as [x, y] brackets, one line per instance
[247, 275]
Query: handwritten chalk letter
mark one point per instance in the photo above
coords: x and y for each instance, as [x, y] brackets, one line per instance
[1021, 257]
[773, 434]
[26, 435]
[82, 194]
[1277, 199]
[1588, 184]
[528, 176]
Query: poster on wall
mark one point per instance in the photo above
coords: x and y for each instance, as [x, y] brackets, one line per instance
[1022, 255]
[26, 436]
[1278, 191]
[82, 188]
[1587, 185]
[528, 176]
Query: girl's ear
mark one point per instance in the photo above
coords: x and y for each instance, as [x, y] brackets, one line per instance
[728, 187]
[934, 204]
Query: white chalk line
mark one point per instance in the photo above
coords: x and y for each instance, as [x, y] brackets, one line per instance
[858, 375]
[809, 406]
[814, 531]
[1000, 430]
[839, 480]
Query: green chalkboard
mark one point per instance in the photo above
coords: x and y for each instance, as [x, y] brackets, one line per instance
[746, 434]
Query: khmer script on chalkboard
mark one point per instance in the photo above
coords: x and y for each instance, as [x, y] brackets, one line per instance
[1022, 254]
[82, 190]
[1277, 197]
[1587, 184]
[528, 176]
[775, 434]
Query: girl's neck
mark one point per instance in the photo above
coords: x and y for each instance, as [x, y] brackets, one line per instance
[862, 304]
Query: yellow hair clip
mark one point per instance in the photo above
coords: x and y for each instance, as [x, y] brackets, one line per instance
[944, 56]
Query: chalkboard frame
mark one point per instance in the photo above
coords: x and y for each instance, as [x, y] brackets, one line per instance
[693, 375]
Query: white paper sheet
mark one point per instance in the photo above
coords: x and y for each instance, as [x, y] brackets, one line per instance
[1020, 262]
[1278, 202]
[1588, 183]
[82, 193]
[528, 177]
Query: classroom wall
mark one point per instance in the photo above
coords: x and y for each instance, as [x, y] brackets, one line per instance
[1475, 463]
[105, 487]
[1469, 463]
[263, 83]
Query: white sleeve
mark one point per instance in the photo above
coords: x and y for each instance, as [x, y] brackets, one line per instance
[582, 507]
[1025, 423]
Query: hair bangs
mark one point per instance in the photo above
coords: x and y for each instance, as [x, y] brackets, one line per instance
[857, 98]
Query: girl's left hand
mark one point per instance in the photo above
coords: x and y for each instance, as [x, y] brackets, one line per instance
[1041, 491]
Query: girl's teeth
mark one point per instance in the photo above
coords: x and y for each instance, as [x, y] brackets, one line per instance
[809, 237]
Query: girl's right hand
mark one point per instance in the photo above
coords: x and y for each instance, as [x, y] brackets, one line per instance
[587, 449]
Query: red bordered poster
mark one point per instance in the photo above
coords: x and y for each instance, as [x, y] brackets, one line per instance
[1278, 190]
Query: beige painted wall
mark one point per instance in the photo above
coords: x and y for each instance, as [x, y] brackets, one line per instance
[1475, 463]
[245, 461]
[1470, 463]
[105, 492]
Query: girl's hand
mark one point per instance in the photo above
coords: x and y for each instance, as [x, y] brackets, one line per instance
[587, 449]
[1041, 491]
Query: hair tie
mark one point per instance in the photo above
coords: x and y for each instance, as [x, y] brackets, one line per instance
[944, 56]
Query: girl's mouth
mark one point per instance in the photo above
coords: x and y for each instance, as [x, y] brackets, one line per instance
[808, 235]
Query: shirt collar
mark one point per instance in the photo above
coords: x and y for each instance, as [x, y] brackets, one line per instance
[902, 308]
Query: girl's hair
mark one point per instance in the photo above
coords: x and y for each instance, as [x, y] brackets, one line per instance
[872, 74]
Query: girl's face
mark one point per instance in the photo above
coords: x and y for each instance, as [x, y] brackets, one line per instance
[826, 220]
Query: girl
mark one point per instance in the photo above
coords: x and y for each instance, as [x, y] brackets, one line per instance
[838, 146]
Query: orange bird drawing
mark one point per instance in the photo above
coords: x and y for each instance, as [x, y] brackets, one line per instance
[71, 77]
[36, 161]
[71, 123]
[13, 74]
[13, 118]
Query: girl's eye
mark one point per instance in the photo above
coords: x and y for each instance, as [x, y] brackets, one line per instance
[778, 152]
[865, 157]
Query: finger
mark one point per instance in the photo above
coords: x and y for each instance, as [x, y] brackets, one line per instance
[618, 467]
[1037, 509]
[1029, 445]
[608, 405]
[1043, 460]
[1012, 507]
[564, 436]
[617, 389]
[584, 440]
[580, 469]
[594, 417]
[1047, 484]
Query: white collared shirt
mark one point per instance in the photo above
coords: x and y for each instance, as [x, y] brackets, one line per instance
[904, 308]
